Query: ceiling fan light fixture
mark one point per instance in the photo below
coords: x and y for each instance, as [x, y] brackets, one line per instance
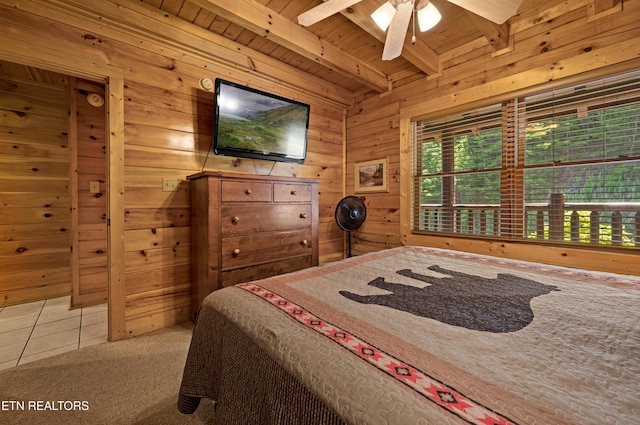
[383, 15]
[394, 17]
[428, 17]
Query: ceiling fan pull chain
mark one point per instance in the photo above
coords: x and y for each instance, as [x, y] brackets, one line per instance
[413, 36]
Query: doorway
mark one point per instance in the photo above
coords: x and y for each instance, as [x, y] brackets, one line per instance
[51, 135]
[114, 148]
[53, 171]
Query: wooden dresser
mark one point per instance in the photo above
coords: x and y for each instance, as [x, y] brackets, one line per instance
[246, 227]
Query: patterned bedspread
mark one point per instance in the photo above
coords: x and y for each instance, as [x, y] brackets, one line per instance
[418, 335]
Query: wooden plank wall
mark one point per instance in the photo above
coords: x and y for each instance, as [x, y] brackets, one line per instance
[89, 223]
[168, 131]
[34, 186]
[372, 133]
[550, 41]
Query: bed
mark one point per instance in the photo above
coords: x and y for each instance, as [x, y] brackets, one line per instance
[415, 335]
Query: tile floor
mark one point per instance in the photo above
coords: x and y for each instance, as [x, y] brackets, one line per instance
[45, 328]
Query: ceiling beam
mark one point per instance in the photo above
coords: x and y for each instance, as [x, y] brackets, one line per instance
[497, 35]
[264, 22]
[420, 54]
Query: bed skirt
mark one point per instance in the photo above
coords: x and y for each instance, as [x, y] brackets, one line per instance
[268, 395]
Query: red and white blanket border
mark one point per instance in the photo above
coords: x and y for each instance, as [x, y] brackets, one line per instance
[423, 384]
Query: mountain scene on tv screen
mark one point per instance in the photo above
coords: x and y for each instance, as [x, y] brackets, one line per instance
[269, 131]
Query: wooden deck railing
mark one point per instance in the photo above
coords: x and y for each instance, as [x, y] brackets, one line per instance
[615, 224]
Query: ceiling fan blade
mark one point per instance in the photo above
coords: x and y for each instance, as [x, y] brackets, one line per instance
[397, 31]
[497, 11]
[323, 11]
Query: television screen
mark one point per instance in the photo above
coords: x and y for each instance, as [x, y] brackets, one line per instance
[250, 123]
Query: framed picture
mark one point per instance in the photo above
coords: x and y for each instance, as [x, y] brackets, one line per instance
[371, 176]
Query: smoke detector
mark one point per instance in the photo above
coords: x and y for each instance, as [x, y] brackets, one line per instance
[95, 99]
[206, 84]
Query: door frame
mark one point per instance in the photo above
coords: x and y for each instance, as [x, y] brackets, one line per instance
[114, 101]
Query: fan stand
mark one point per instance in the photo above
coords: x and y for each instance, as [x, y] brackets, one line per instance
[350, 214]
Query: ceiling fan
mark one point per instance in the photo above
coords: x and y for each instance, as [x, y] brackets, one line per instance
[396, 15]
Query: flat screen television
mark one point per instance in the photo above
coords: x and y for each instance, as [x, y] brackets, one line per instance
[250, 123]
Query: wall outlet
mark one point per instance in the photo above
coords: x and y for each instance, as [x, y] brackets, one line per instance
[169, 184]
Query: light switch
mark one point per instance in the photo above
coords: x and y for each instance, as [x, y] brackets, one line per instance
[94, 186]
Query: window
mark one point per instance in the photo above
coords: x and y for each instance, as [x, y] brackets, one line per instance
[562, 166]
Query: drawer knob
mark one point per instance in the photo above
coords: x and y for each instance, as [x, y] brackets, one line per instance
[236, 252]
[303, 215]
[248, 191]
[305, 243]
[235, 219]
[294, 193]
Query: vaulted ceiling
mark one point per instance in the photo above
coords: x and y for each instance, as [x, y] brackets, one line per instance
[344, 49]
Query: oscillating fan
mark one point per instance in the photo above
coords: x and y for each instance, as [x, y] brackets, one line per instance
[350, 214]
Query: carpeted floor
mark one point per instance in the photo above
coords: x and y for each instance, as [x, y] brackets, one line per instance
[135, 381]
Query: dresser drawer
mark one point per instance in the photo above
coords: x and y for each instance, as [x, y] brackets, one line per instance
[261, 271]
[244, 218]
[245, 191]
[240, 251]
[291, 192]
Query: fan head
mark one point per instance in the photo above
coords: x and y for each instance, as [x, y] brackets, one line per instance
[350, 213]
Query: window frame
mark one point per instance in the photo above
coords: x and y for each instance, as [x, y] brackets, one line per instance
[512, 217]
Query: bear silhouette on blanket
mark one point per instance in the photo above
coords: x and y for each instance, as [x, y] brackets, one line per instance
[501, 304]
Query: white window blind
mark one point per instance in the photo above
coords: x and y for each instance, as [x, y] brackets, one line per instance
[562, 165]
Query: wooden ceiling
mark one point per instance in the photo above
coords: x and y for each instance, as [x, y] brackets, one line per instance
[344, 49]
